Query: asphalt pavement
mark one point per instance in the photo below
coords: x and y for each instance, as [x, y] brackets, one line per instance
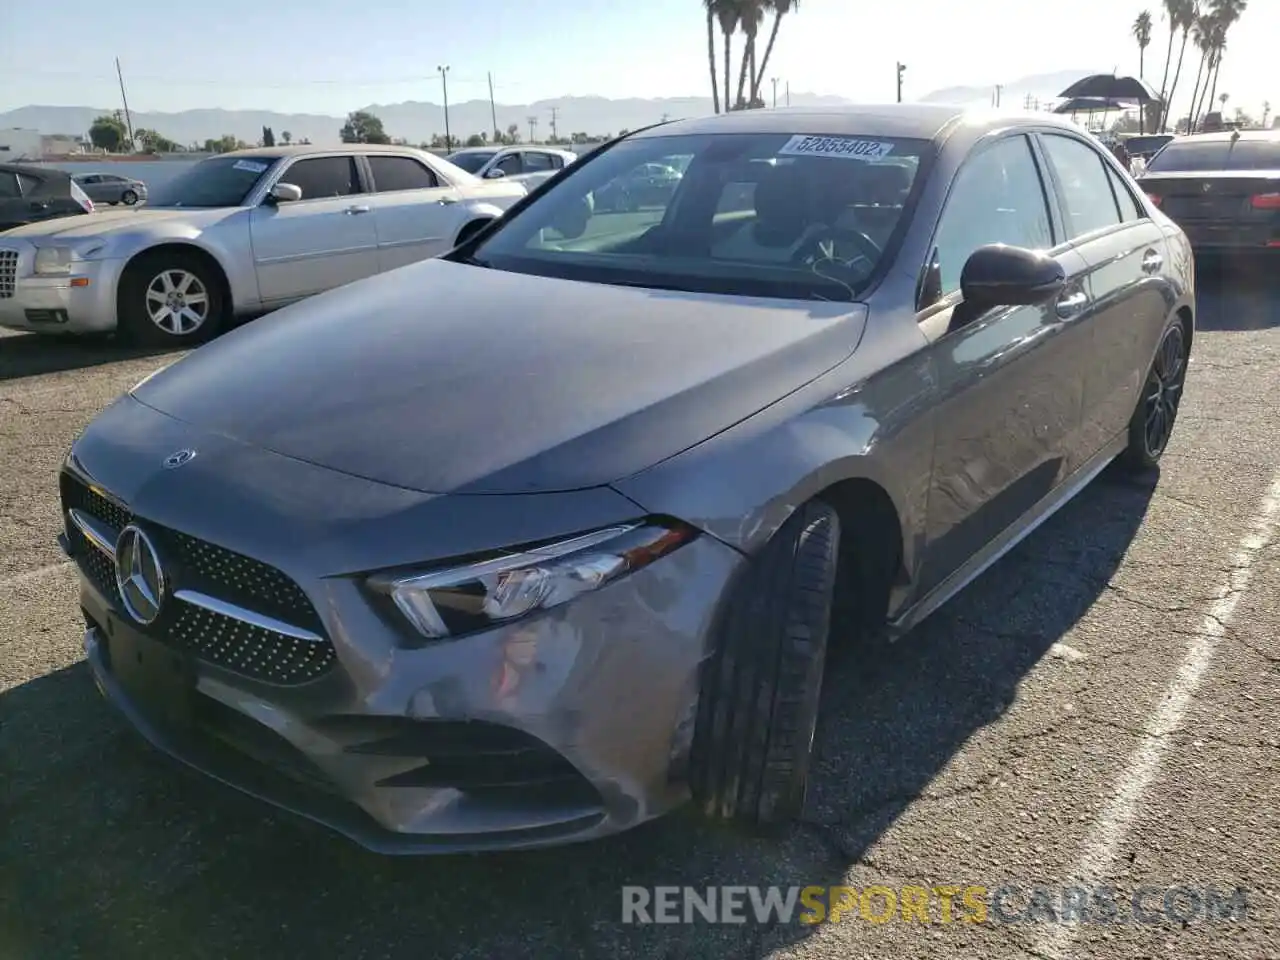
[1098, 710]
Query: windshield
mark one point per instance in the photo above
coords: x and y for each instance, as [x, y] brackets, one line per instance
[470, 162]
[1217, 155]
[768, 215]
[216, 182]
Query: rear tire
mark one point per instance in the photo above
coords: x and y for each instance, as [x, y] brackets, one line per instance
[758, 708]
[1154, 417]
[149, 316]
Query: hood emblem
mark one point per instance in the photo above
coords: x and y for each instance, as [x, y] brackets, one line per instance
[139, 576]
[1206, 187]
[178, 459]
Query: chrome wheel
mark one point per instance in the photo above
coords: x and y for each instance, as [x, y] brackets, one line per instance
[177, 302]
[1163, 391]
[129, 198]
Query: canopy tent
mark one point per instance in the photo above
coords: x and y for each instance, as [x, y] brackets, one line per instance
[1106, 91]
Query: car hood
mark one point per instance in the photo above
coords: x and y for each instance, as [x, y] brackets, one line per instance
[106, 222]
[442, 377]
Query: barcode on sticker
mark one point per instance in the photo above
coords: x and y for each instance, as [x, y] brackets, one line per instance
[846, 147]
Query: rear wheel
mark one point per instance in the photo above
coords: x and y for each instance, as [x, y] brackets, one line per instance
[759, 699]
[1151, 426]
[169, 299]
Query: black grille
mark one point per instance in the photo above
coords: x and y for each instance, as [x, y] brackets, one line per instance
[245, 648]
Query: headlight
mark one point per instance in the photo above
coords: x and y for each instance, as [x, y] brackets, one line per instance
[464, 599]
[53, 260]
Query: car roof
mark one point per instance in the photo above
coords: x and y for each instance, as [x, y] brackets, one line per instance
[1263, 136]
[32, 170]
[279, 153]
[921, 121]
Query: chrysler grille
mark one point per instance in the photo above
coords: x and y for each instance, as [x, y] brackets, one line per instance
[225, 608]
[8, 273]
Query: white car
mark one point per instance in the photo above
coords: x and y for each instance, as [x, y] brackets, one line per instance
[525, 164]
[240, 234]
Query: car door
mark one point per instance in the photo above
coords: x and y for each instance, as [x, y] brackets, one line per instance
[1010, 392]
[13, 208]
[1125, 251]
[537, 166]
[415, 211]
[326, 239]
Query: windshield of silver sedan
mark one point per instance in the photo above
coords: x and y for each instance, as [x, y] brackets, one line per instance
[795, 216]
[216, 182]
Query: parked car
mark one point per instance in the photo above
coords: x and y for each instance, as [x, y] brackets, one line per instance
[537, 540]
[111, 188]
[649, 185]
[31, 194]
[527, 165]
[1223, 189]
[239, 234]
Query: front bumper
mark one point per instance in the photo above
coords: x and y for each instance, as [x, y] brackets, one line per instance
[83, 302]
[562, 727]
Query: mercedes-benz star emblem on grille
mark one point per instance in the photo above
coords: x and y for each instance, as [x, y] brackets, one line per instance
[1206, 187]
[139, 575]
[177, 459]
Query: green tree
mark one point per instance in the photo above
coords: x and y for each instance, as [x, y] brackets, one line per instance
[1182, 16]
[513, 133]
[1226, 14]
[286, 137]
[476, 140]
[152, 142]
[268, 137]
[712, 8]
[363, 127]
[108, 132]
[1141, 31]
[779, 9]
[224, 144]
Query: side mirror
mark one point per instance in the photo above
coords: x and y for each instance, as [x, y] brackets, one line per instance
[495, 173]
[286, 193]
[1002, 276]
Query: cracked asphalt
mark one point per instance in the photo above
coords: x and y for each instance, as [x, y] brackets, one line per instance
[991, 747]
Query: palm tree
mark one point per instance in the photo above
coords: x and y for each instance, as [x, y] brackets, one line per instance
[750, 17]
[1142, 33]
[780, 9]
[1182, 16]
[1202, 37]
[711, 6]
[727, 14]
[1227, 13]
[1266, 113]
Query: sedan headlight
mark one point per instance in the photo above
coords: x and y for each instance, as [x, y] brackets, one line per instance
[57, 261]
[475, 596]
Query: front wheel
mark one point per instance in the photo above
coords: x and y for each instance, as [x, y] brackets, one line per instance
[1151, 426]
[129, 197]
[758, 708]
[169, 300]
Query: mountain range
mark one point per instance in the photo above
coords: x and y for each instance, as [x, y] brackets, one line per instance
[418, 121]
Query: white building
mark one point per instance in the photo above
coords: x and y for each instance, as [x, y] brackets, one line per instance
[17, 144]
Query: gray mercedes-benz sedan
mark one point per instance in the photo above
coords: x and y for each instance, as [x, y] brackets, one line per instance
[540, 539]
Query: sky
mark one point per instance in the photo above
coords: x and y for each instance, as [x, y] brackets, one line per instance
[332, 56]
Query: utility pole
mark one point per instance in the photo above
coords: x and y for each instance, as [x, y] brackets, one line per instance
[533, 125]
[493, 112]
[996, 96]
[554, 111]
[128, 120]
[902, 68]
[774, 81]
[444, 84]
[1026, 104]
[788, 93]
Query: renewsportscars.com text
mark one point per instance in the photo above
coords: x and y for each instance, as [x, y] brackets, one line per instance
[975, 903]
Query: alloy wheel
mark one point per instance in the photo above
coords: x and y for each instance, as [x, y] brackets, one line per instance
[177, 302]
[1163, 391]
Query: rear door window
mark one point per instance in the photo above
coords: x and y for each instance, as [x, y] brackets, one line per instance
[391, 174]
[1129, 209]
[1086, 190]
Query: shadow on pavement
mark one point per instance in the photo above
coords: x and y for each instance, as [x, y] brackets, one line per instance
[111, 850]
[1238, 295]
[31, 354]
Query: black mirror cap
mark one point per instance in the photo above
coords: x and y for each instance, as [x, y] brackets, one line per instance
[998, 275]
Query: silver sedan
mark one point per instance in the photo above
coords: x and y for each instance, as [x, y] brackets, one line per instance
[241, 234]
[111, 189]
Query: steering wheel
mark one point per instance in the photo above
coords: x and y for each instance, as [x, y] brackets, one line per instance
[812, 251]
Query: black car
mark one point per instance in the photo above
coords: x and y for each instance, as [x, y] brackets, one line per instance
[30, 193]
[1223, 189]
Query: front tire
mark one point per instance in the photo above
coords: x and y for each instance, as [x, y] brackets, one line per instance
[1151, 426]
[758, 708]
[169, 299]
[129, 198]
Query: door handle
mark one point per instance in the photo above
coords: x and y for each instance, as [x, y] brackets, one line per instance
[445, 201]
[354, 210]
[1071, 304]
[1151, 262]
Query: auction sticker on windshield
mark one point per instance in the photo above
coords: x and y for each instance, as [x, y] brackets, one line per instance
[847, 147]
[251, 165]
